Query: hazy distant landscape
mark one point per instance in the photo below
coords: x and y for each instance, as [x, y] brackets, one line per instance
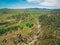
[31, 26]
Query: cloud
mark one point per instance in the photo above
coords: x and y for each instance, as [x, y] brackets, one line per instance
[51, 3]
[47, 3]
[32, 0]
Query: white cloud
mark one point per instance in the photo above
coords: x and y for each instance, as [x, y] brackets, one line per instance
[47, 3]
[51, 3]
[32, 0]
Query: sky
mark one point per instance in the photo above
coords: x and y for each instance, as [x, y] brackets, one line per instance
[22, 4]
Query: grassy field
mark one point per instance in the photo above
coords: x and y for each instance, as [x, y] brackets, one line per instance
[29, 27]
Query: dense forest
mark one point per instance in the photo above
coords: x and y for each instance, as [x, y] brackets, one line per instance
[29, 26]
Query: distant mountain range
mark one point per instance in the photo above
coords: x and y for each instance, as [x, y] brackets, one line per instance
[42, 9]
[34, 8]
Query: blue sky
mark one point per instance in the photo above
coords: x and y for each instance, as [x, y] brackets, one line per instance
[15, 4]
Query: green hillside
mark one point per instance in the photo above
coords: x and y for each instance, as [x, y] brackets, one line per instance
[29, 27]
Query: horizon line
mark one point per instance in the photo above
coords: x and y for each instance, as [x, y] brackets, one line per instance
[29, 8]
